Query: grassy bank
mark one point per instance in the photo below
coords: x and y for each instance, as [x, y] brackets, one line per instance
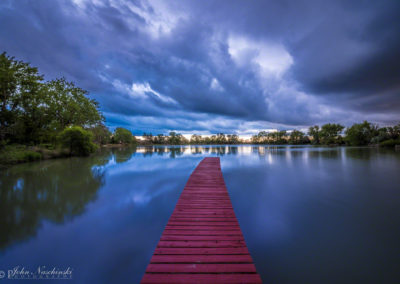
[14, 154]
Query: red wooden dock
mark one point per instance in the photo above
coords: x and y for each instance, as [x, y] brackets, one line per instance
[202, 242]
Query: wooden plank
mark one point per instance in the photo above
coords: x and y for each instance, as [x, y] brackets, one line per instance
[201, 268]
[205, 202]
[203, 219]
[202, 207]
[201, 278]
[205, 211]
[198, 228]
[202, 242]
[202, 223]
[200, 238]
[205, 214]
[202, 233]
[201, 258]
[239, 250]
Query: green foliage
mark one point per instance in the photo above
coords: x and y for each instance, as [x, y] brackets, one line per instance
[277, 137]
[101, 134]
[196, 139]
[77, 140]
[327, 134]
[47, 146]
[32, 156]
[313, 131]
[360, 134]
[281, 137]
[176, 139]
[12, 154]
[220, 138]
[19, 91]
[69, 105]
[386, 133]
[232, 139]
[123, 136]
[390, 143]
[159, 139]
[33, 111]
[298, 137]
[330, 133]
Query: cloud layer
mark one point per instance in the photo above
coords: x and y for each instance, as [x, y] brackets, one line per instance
[217, 66]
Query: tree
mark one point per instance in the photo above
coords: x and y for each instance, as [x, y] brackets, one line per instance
[19, 82]
[281, 137]
[148, 138]
[123, 136]
[330, 133]
[33, 120]
[386, 133]
[77, 140]
[69, 105]
[394, 131]
[254, 139]
[101, 134]
[196, 139]
[313, 131]
[159, 139]
[232, 139]
[220, 138]
[360, 134]
[390, 143]
[262, 137]
[296, 137]
[272, 137]
[34, 111]
[175, 138]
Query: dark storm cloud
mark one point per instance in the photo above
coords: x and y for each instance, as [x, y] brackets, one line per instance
[362, 57]
[339, 47]
[217, 65]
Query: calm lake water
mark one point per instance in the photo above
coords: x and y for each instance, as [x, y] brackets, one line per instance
[309, 215]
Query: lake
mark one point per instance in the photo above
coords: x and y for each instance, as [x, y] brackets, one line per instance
[308, 214]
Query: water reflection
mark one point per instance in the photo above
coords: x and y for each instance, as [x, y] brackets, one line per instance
[305, 212]
[55, 190]
[123, 154]
[59, 190]
[176, 151]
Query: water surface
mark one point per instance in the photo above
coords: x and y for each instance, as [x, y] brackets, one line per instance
[308, 214]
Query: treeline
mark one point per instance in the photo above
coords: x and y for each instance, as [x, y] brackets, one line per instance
[56, 117]
[178, 139]
[359, 134]
[42, 119]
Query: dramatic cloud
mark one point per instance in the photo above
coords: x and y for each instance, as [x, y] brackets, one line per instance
[217, 66]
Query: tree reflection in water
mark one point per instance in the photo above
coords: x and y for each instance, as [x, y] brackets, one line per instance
[59, 190]
[56, 190]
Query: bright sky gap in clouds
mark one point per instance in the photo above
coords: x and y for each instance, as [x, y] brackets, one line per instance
[217, 66]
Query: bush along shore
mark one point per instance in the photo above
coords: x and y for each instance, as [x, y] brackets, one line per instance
[48, 119]
[42, 119]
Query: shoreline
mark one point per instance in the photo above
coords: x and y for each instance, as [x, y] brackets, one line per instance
[19, 154]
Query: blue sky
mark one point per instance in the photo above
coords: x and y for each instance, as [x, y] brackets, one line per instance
[217, 66]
